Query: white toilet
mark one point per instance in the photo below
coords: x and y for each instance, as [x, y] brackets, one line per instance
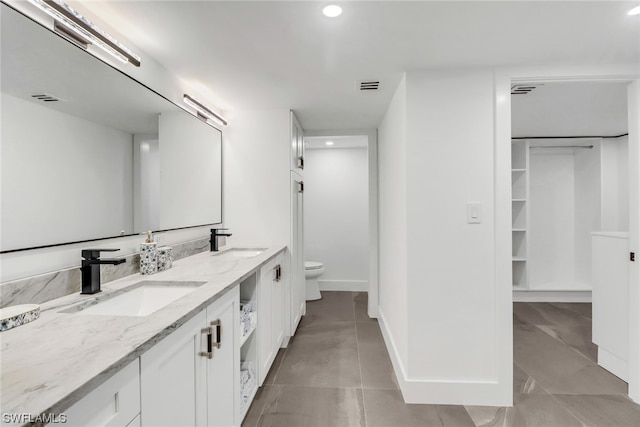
[313, 270]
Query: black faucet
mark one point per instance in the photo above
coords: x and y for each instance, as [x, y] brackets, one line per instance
[91, 268]
[214, 238]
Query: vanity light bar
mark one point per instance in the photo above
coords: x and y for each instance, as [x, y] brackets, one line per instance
[77, 23]
[202, 109]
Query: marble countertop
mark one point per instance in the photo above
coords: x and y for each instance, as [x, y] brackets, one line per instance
[54, 361]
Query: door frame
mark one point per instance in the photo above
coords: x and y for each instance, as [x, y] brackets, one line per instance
[504, 78]
[372, 152]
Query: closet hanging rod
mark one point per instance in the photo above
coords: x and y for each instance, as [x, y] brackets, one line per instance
[588, 147]
[572, 137]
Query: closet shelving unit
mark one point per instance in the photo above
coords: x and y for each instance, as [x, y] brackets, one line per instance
[519, 211]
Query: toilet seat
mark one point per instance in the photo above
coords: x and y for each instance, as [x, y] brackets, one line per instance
[313, 265]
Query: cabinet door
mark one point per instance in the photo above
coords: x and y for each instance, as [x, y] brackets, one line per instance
[173, 381]
[114, 403]
[223, 369]
[277, 305]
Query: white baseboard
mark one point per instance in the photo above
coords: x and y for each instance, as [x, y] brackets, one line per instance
[612, 363]
[442, 391]
[532, 295]
[344, 285]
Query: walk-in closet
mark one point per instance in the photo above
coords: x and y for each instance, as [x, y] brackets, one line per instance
[570, 220]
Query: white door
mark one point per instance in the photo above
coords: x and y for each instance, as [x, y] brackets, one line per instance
[296, 278]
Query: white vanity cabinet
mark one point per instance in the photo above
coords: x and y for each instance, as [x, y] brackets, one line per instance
[271, 324]
[114, 403]
[189, 378]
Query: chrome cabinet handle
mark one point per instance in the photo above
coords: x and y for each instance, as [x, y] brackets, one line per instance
[215, 325]
[218, 327]
[209, 353]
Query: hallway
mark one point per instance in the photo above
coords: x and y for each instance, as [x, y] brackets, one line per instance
[336, 372]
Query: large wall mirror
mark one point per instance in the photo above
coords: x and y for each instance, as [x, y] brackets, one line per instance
[89, 153]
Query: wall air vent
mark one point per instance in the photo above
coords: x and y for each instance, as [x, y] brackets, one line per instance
[522, 89]
[45, 97]
[369, 85]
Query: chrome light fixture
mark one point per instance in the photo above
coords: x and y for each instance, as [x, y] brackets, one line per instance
[74, 21]
[203, 110]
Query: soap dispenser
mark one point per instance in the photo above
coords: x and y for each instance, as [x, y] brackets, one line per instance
[148, 255]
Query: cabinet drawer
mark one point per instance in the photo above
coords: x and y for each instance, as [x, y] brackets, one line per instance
[114, 403]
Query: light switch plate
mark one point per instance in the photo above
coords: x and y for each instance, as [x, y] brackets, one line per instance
[474, 213]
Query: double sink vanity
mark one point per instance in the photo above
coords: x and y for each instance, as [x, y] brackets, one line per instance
[186, 346]
[163, 349]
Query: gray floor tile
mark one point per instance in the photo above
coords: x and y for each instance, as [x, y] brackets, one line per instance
[523, 383]
[333, 306]
[488, 416]
[295, 406]
[375, 364]
[577, 337]
[529, 410]
[558, 368]
[325, 355]
[542, 313]
[361, 307]
[275, 367]
[602, 411]
[583, 309]
[386, 408]
[257, 406]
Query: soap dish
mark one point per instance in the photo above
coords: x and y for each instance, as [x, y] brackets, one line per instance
[11, 317]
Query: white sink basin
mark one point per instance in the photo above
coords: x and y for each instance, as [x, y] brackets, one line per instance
[140, 301]
[241, 252]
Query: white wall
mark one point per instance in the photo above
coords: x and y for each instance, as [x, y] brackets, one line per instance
[573, 192]
[552, 219]
[615, 169]
[256, 177]
[588, 196]
[439, 296]
[450, 137]
[392, 187]
[336, 218]
[86, 158]
[146, 182]
[190, 189]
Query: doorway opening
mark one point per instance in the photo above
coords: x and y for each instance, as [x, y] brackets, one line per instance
[570, 214]
[340, 224]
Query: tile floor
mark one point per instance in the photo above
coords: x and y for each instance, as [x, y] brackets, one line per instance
[336, 372]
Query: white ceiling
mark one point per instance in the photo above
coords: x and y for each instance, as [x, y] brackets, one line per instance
[348, 141]
[571, 109]
[266, 54]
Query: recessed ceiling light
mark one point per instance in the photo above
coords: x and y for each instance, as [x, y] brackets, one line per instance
[634, 11]
[329, 143]
[332, 10]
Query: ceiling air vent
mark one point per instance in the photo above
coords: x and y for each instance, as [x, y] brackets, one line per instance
[369, 85]
[46, 97]
[522, 89]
